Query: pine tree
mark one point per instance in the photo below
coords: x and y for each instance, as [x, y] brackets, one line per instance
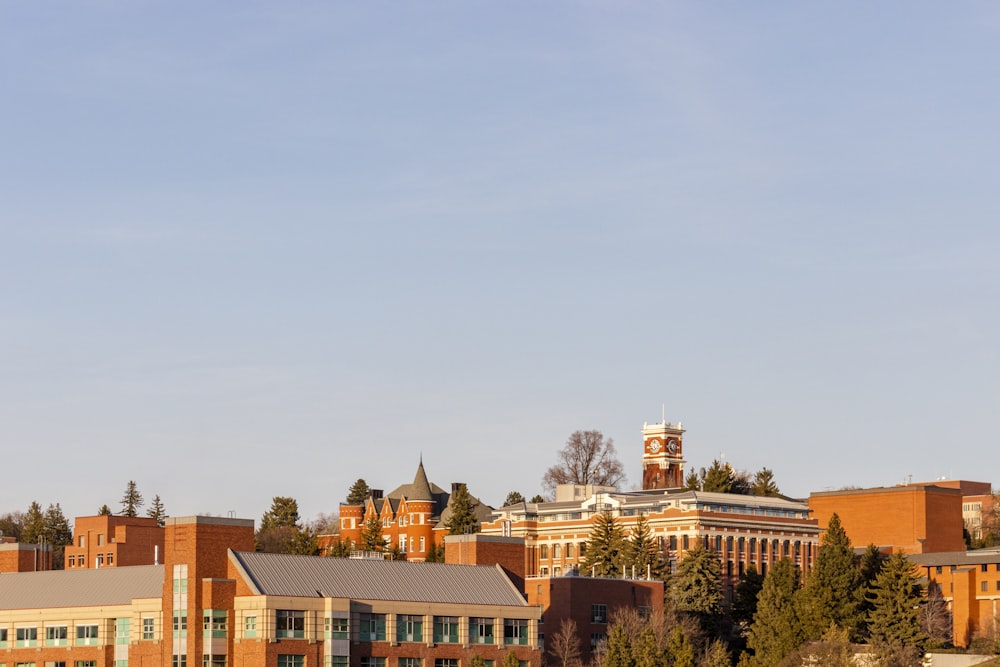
[679, 651]
[605, 547]
[281, 532]
[868, 569]
[104, 511]
[763, 484]
[57, 530]
[132, 500]
[537, 498]
[462, 517]
[696, 587]
[435, 553]
[777, 629]
[718, 478]
[284, 511]
[716, 655]
[513, 498]
[619, 650]
[747, 590]
[358, 493]
[340, 549]
[371, 535]
[895, 596]
[157, 511]
[646, 652]
[829, 596]
[693, 482]
[33, 530]
[643, 553]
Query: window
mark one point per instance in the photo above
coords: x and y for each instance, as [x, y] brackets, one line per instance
[557, 551]
[291, 623]
[215, 623]
[515, 631]
[409, 628]
[598, 613]
[402, 543]
[411, 662]
[148, 628]
[100, 539]
[984, 586]
[984, 568]
[85, 663]
[569, 550]
[595, 639]
[83, 541]
[938, 569]
[372, 628]
[445, 662]
[543, 552]
[422, 549]
[72, 561]
[337, 628]
[55, 635]
[3, 637]
[179, 661]
[111, 559]
[338, 661]
[180, 622]
[285, 660]
[123, 628]
[369, 661]
[214, 660]
[26, 637]
[100, 560]
[445, 629]
[481, 630]
[86, 635]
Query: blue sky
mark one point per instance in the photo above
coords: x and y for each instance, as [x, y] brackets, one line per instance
[257, 249]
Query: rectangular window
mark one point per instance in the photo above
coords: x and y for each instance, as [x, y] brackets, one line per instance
[3, 637]
[984, 586]
[372, 628]
[481, 630]
[411, 662]
[595, 640]
[445, 662]
[85, 663]
[337, 628]
[214, 623]
[445, 629]
[984, 567]
[214, 660]
[515, 631]
[369, 661]
[285, 660]
[180, 622]
[250, 626]
[86, 635]
[55, 635]
[111, 559]
[938, 569]
[123, 628]
[598, 613]
[148, 628]
[179, 661]
[409, 628]
[26, 637]
[100, 539]
[423, 548]
[291, 623]
[339, 661]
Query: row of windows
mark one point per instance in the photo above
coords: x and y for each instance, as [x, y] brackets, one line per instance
[290, 623]
[983, 567]
[57, 663]
[55, 635]
[74, 561]
[368, 661]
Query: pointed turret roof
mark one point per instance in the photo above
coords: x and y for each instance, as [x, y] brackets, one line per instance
[421, 488]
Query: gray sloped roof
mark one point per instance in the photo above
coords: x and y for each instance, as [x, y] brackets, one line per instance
[80, 588]
[371, 579]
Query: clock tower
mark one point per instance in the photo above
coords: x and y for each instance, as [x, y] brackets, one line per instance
[663, 456]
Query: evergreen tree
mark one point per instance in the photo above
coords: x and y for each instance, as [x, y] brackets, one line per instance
[868, 569]
[605, 547]
[718, 478]
[435, 553]
[358, 493]
[33, 530]
[340, 549]
[716, 655]
[745, 598]
[777, 629]
[829, 596]
[281, 532]
[832, 650]
[763, 484]
[511, 659]
[693, 481]
[679, 651]
[642, 552]
[696, 587]
[57, 531]
[462, 517]
[132, 500]
[619, 649]
[284, 512]
[895, 596]
[513, 498]
[537, 498]
[646, 652]
[157, 511]
[104, 511]
[371, 534]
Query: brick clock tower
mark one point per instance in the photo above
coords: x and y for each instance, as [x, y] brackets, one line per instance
[663, 456]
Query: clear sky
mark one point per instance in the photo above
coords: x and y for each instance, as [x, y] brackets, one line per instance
[255, 249]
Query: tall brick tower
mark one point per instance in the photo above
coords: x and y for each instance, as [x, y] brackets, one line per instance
[663, 456]
[196, 587]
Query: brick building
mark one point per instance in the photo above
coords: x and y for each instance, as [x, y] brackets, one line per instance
[412, 516]
[970, 582]
[22, 557]
[915, 518]
[215, 602]
[742, 529]
[113, 541]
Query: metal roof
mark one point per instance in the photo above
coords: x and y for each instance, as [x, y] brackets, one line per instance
[362, 579]
[80, 588]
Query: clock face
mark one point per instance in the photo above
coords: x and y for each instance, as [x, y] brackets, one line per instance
[672, 446]
[654, 445]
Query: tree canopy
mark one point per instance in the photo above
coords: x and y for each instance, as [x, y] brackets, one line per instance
[586, 458]
[281, 532]
[132, 500]
[358, 493]
[605, 548]
[157, 511]
[462, 516]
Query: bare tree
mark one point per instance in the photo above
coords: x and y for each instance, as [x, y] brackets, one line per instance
[564, 646]
[587, 458]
